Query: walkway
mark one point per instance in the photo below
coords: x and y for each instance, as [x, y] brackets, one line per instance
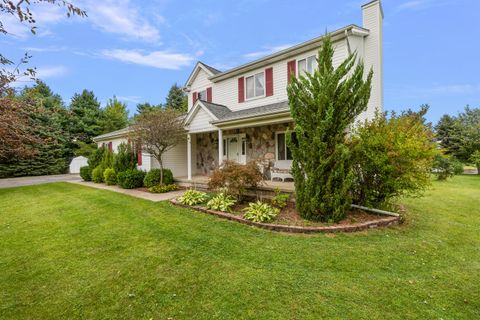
[29, 181]
[155, 197]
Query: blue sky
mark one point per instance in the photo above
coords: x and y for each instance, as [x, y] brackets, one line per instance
[137, 49]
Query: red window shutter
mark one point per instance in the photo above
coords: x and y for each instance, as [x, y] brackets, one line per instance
[194, 97]
[269, 82]
[209, 94]
[139, 155]
[241, 89]
[110, 147]
[291, 69]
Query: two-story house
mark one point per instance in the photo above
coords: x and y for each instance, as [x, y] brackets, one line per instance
[242, 114]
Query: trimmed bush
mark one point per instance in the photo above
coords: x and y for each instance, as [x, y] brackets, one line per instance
[234, 178]
[130, 179]
[163, 188]
[110, 176]
[97, 174]
[86, 173]
[153, 178]
[260, 212]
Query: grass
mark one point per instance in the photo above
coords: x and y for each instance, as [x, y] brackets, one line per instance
[68, 251]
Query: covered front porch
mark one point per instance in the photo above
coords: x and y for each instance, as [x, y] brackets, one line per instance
[216, 134]
[201, 182]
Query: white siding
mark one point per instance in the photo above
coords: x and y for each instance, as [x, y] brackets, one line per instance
[226, 91]
[201, 122]
[373, 53]
[200, 83]
[174, 159]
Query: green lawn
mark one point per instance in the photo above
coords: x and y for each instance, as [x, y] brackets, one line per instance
[68, 251]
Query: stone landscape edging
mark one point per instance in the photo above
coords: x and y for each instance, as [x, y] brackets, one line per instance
[382, 222]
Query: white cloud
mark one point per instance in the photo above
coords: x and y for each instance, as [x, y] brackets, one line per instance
[51, 72]
[267, 51]
[156, 59]
[457, 89]
[121, 17]
[133, 99]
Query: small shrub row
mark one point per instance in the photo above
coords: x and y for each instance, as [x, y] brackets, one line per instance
[153, 178]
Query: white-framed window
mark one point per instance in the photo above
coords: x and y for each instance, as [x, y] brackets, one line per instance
[282, 150]
[202, 95]
[255, 86]
[307, 65]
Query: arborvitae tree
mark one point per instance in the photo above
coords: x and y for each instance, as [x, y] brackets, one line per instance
[323, 105]
[125, 159]
[85, 116]
[176, 99]
[114, 116]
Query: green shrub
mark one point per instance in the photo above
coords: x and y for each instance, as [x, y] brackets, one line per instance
[110, 176]
[260, 212]
[97, 174]
[221, 202]
[443, 167]
[280, 199]
[457, 167]
[125, 159]
[163, 188]
[107, 159]
[193, 197]
[153, 177]
[86, 173]
[96, 157]
[392, 158]
[130, 179]
[234, 178]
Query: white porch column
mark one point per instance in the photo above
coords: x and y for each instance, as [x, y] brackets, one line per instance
[189, 156]
[220, 146]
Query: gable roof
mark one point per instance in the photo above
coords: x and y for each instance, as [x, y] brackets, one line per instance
[113, 134]
[211, 71]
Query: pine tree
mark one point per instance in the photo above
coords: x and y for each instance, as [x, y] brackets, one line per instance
[146, 107]
[176, 99]
[85, 116]
[114, 116]
[323, 106]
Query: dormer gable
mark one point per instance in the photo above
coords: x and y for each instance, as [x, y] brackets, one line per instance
[199, 67]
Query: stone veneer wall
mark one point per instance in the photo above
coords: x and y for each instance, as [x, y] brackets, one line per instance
[260, 147]
[207, 152]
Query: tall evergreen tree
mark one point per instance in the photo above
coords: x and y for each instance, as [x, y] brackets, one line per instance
[445, 131]
[85, 116]
[114, 116]
[176, 98]
[323, 106]
[47, 118]
[146, 106]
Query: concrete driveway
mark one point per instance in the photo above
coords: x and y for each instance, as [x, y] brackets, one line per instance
[28, 181]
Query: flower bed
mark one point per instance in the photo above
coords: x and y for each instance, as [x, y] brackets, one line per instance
[289, 221]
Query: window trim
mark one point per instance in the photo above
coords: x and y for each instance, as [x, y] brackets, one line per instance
[264, 86]
[302, 59]
[276, 145]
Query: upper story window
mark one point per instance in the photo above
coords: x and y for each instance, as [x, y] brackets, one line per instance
[255, 85]
[202, 95]
[307, 65]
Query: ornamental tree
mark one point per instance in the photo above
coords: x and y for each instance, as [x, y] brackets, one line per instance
[157, 132]
[323, 105]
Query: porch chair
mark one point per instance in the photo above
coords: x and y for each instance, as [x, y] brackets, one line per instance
[281, 169]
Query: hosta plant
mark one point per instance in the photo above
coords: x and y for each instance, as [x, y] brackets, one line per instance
[221, 202]
[192, 197]
[260, 212]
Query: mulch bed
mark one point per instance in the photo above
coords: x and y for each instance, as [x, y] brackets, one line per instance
[289, 221]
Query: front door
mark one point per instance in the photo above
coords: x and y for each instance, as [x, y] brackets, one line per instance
[236, 148]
